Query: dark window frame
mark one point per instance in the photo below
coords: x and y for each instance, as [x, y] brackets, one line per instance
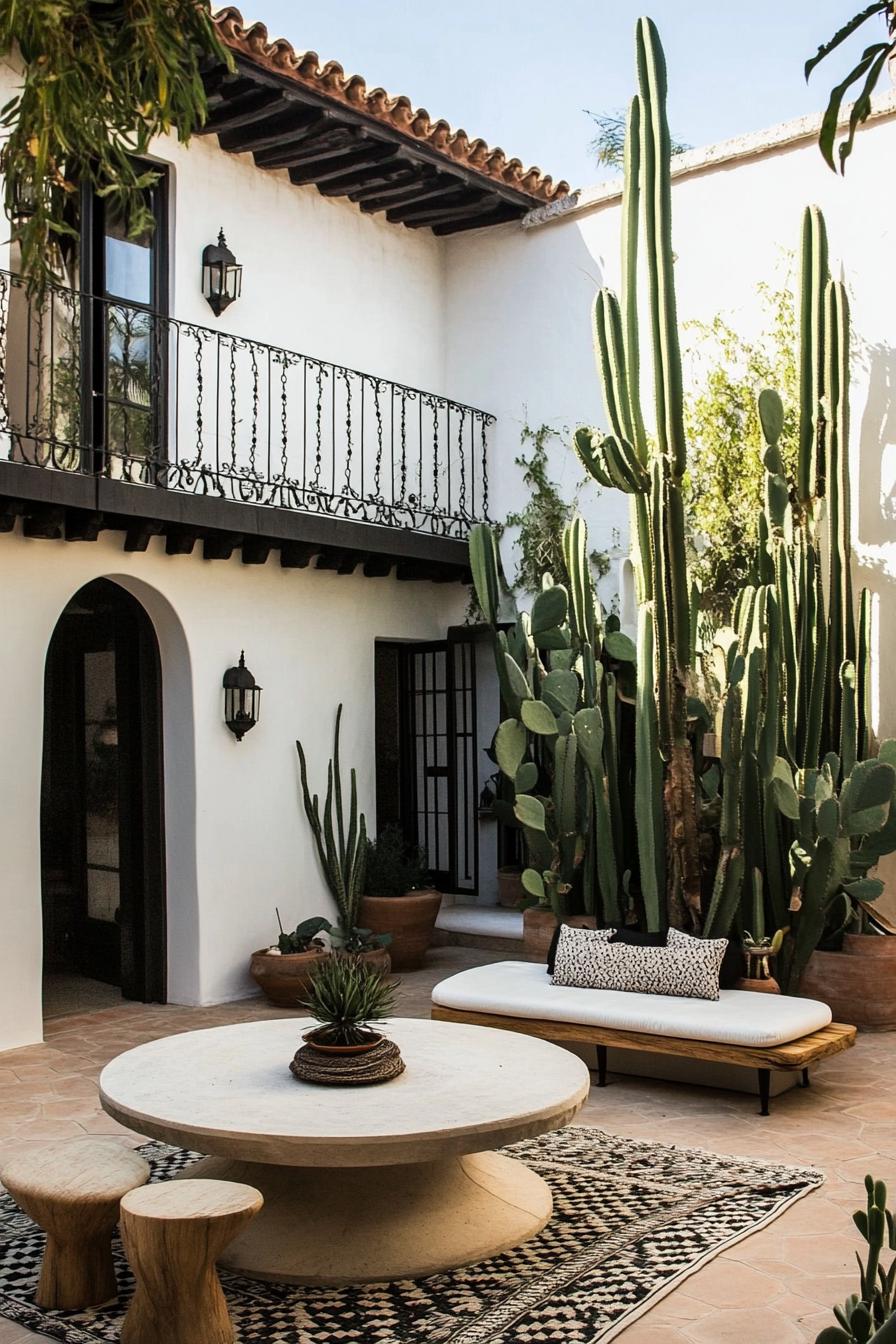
[97, 302]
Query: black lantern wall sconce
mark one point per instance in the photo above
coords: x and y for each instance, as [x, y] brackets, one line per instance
[222, 275]
[242, 699]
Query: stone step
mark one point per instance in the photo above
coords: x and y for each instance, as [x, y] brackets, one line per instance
[490, 927]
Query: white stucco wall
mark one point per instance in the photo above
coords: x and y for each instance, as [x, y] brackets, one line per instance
[518, 304]
[237, 839]
[319, 277]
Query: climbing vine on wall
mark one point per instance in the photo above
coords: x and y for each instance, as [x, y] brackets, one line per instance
[542, 520]
[538, 547]
[101, 79]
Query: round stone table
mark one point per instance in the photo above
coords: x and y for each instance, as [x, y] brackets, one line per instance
[361, 1184]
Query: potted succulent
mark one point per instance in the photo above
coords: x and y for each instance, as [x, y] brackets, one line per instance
[342, 851]
[510, 886]
[400, 900]
[758, 952]
[346, 997]
[282, 971]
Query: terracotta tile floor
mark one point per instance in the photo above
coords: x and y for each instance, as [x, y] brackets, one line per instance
[777, 1286]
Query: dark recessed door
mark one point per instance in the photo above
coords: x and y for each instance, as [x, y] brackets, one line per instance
[101, 819]
[427, 755]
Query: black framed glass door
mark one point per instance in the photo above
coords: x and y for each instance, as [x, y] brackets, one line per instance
[426, 753]
[125, 332]
[102, 834]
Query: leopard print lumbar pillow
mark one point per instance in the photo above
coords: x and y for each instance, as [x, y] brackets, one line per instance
[689, 971]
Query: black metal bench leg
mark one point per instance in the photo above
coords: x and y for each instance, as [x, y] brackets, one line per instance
[765, 1077]
[601, 1066]
[805, 1082]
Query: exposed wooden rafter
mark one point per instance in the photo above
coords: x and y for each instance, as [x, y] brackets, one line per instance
[336, 147]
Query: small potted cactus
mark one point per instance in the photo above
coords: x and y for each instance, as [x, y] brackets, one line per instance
[282, 971]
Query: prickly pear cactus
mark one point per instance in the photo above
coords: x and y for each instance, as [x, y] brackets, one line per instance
[556, 751]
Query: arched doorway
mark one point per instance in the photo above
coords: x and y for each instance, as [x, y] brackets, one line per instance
[102, 829]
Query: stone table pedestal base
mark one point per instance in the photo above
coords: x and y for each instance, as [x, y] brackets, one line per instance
[341, 1225]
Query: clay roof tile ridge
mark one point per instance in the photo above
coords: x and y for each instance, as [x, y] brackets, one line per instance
[331, 80]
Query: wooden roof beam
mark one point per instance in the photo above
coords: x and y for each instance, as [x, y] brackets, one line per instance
[392, 196]
[322, 131]
[320, 152]
[453, 200]
[346, 170]
[274, 131]
[502, 215]
[259, 105]
[219, 84]
[417, 151]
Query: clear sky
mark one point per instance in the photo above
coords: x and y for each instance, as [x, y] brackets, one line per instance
[520, 72]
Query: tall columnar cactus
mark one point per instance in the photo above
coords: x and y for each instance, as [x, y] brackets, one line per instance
[653, 475]
[780, 832]
[341, 848]
[791, 678]
[557, 749]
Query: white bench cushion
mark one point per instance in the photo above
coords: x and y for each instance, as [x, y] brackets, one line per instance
[737, 1017]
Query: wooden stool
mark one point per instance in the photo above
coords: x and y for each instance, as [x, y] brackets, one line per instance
[73, 1191]
[173, 1233]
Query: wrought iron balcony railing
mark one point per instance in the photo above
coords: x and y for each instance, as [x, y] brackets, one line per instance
[103, 386]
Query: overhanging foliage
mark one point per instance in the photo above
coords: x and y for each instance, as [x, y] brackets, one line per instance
[101, 79]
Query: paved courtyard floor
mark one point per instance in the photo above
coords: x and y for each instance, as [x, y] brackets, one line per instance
[777, 1286]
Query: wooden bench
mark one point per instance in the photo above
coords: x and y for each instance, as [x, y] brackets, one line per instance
[532, 987]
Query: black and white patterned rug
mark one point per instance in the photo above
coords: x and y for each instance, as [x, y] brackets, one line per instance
[631, 1221]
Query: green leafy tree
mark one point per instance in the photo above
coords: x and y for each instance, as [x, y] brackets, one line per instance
[101, 79]
[866, 72]
[726, 475]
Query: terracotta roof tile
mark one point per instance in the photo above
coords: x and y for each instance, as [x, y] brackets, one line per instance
[251, 40]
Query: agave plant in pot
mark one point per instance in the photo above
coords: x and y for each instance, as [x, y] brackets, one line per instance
[347, 1000]
[282, 971]
[400, 900]
[342, 850]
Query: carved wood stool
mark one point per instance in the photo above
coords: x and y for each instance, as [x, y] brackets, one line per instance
[73, 1191]
[173, 1233]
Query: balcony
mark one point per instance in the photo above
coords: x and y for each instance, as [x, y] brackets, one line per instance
[113, 415]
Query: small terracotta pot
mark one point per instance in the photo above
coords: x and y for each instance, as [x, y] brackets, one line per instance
[858, 984]
[510, 887]
[410, 919]
[284, 979]
[376, 957]
[538, 930]
[362, 1048]
[767, 985]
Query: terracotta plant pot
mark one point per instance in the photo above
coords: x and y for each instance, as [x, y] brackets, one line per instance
[538, 930]
[362, 1048]
[767, 985]
[377, 957]
[284, 979]
[858, 984]
[510, 887]
[410, 919]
